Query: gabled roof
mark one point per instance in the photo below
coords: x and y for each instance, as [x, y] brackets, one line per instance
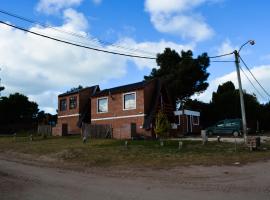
[120, 89]
[93, 90]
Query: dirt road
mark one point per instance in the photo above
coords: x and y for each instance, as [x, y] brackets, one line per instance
[24, 181]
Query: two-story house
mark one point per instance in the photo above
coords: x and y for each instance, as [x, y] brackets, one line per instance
[73, 110]
[130, 109]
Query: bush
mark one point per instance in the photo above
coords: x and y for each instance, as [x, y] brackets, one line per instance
[162, 125]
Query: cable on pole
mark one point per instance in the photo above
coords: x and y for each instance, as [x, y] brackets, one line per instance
[254, 77]
[252, 83]
[72, 33]
[74, 44]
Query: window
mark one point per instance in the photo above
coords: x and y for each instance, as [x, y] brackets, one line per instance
[102, 105]
[195, 120]
[63, 104]
[72, 102]
[220, 124]
[130, 101]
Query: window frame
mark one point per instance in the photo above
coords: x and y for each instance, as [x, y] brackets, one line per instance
[123, 99]
[60, 102]
[76, 102]
[107, 104]
[198, 120]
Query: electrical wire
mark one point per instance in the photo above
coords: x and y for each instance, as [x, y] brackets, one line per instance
[251, 83]
[222, 61]
[85, 37]
[254, 76]
[78, 45]
[222, 55]
[73, 33]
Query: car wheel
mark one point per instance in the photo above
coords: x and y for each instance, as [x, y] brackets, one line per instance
[236, 134]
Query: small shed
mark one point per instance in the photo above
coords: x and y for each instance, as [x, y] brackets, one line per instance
[187, 121]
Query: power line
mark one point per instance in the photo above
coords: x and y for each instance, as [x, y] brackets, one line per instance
[72, 33]
[254, 76]
[85, 37]
[252, 83]
[222, 61]
[222, 55]
[74, 44]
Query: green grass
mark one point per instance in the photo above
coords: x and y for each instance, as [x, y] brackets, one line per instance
[108, 153]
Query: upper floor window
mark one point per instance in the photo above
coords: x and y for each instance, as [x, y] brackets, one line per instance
[130, 101]
[72, 102]
[63, 105]
[102, 105]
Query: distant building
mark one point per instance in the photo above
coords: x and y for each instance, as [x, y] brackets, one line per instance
[187, 121]
[73, 110]
[130, 109]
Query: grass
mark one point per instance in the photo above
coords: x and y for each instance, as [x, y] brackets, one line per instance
[107, 153]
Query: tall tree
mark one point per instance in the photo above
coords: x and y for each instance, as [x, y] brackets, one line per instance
[182, 74]
[17, 109]
[226, 104]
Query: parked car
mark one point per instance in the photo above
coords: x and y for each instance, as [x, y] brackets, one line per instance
[226, 127]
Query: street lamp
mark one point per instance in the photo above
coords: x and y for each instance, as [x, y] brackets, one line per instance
[242, 103]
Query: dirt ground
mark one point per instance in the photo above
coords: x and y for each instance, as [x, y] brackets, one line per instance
[32, 180]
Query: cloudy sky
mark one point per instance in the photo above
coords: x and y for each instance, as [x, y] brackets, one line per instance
[41, 69]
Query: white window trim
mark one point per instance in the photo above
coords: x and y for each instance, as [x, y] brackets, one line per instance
[107, 104]
[179, 120]
[64, 99]
[196, 124]
[123, 100]
[75, 103]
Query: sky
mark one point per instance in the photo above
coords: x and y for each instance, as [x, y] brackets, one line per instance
[42, 69]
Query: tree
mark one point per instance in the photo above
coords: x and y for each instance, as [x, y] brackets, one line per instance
[17, 109]
[226, 104]
[182, 74]
[162, 125]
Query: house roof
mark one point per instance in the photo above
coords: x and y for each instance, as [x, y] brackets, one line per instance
[77, 90]
[124, 88]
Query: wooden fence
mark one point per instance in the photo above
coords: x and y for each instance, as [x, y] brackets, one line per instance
[96, 130]
[45, 130]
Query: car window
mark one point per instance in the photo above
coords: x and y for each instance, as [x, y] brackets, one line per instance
[228, 124]
[220, 124]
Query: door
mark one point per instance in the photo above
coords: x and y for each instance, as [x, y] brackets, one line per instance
[189, 124]
[64, 129]
[133, 129]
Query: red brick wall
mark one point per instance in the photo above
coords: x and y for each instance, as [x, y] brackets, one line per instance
[68, 111]
[115, 106]
[183, 128]
[121, 127]
[72, 125]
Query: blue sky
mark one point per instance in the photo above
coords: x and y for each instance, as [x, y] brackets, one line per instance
[42, 69]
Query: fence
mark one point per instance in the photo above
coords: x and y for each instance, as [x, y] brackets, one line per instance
[45, 130]
[96, 130]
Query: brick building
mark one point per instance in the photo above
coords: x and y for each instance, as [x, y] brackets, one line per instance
[130, 109]
[187, 122]
[74, 108]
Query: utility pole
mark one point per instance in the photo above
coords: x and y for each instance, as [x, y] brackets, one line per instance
[243, 111]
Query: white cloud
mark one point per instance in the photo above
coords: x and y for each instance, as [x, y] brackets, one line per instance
[97, 2]
[226, 47]
[154, 48]
[54, 6]
[169, 6]
[41, 68]
[176, 17]
[262, 73]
